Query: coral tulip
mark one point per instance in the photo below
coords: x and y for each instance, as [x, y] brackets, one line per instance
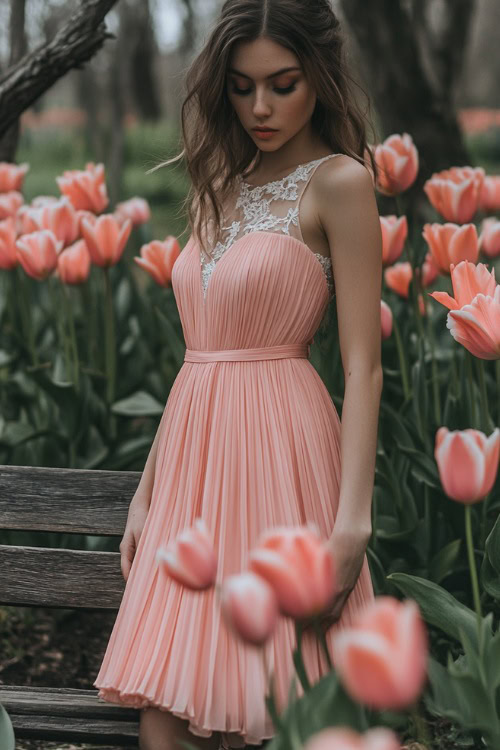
[382, 657]
[12, 176]
[249, 606]
[467, 280]
[73, 264]
[86, 188]
[397, 162]
[385, 319]
[135, 209]
[394, 234]
[37, 253]
[158, 259]
[489, 239]
[489, 198]
[398, 277]
[451, 243]
[477, 326]
[345, 738]
[455, 192]
[61, 218]
[10, 203]
[468, 463]
[190, 558]
[8, 255]
[299, 567]
[105, 239]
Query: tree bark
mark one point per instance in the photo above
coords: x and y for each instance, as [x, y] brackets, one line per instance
[76, 43]
[17, 43]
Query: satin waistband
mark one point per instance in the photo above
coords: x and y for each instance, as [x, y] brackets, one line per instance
[281, 351]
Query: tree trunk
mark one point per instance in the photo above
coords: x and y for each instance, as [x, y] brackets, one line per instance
[142, 52]
[17, 41]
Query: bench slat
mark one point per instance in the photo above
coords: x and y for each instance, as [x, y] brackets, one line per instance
[47, 577]
[74, 501]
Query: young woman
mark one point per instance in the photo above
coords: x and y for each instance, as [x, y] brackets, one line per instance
[282, 221]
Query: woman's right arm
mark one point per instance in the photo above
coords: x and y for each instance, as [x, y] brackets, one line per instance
[138, 511]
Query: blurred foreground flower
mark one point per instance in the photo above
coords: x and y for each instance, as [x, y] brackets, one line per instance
[382, 657]
[468, 463]
[10, 203]
[190, 558]
[158, 258]
[299, 567]
[397, 161]
[345, 738]
[249, 606]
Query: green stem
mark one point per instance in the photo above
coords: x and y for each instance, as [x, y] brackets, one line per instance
[497, 370]
[485, 416]
[60, 318]
[68, 310]
[110, 349]
[435, 371]
[470, 389]
[298, 660]
[26, 320]
[405, 380]
[420, 726]
[473, 571]
[320, 635]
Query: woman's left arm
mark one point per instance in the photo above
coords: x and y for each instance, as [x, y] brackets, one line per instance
[347, 210]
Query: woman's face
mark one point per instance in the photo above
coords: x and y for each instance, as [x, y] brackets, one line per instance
[267, 87]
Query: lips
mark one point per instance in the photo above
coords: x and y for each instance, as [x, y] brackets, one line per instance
[265, 130]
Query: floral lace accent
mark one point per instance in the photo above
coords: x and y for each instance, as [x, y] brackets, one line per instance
[255, 202]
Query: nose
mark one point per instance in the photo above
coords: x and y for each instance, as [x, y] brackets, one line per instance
[260, 106]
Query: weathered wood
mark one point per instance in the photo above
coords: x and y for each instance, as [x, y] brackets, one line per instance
[47, 577]
[75, 501]
[62, 702]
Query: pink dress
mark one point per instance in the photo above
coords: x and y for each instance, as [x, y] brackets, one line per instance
[249, 439]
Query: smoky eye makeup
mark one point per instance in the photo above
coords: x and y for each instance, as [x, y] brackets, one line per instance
[286, 89]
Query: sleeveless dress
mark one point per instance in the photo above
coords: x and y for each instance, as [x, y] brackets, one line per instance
[249, 439]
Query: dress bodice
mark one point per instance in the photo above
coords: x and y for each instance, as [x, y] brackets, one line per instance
[272, 207]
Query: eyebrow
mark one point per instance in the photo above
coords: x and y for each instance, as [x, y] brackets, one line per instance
[272, 75]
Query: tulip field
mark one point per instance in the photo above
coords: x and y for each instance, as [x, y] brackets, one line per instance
[91, 342]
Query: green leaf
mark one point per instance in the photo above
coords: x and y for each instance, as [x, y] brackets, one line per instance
[139, 404]
[423, 468]
[490, 579]
[7, 738]
[443, 561]
[437, 605]
[493, 545]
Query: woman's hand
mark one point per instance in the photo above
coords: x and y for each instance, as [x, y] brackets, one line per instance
[137, 514]
[348, 550]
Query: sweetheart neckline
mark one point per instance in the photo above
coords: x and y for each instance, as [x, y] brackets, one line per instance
[302, 244]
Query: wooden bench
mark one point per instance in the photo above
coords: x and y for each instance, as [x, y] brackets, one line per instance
[73, 501]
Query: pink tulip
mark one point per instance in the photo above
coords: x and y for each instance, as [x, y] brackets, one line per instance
[489, 239]
[85, 189]
[468, 463]
[135, 209]
[451, 243]
[249, 606]
[8, 255]
[37, 253]
[299, 567]
[385, 319]
[430, 271]
[73, 265]
[467, 280]
[397, 161]
[477, 326]
[105, 239]
[394, 234]
[190, 558]
[158, 259]
[489, 199]
[10, 203]
[12, 176]
[382, 657]
[61, 218]
[455, 192]
[345, 738]
[398, 277]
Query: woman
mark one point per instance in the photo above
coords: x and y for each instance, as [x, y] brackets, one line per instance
[250, 437]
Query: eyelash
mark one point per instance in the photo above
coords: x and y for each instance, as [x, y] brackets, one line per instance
[244, 92]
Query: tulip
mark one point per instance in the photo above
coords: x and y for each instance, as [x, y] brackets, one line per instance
[8, 255]
[382, 657]
[299, 567]
[61, 218]
[394, 234]
[468, 463]
[489, 198]
[12, 176]
[37, 253]
[249, 606]
[345, 738]
[73, 264]
[105, 239]
[85, 189]
[398, 277]
[477, 326]
[397, 162]
[455, 192]
[135, 209]
[467, 280]
[158, 259]
[451, 243]
[190, 559]
[10, 203]
[385, 319]
[430, 271]
[489, 239]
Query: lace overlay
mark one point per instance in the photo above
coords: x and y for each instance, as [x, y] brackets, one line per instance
[273, 207]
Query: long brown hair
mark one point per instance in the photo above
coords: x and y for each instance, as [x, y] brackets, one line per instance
[216, 147]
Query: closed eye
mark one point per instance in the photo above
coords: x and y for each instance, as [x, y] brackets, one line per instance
[244, 92]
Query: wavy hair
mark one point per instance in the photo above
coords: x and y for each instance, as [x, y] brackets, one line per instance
[216, 147]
